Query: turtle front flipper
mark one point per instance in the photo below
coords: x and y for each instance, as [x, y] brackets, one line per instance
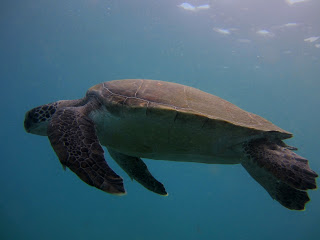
[137, 170]
[73, 138]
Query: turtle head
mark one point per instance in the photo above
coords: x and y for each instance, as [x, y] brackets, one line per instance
[37, 119]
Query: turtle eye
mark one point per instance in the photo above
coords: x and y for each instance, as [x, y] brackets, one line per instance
[33, 116]
[42, 113]
[37, 115]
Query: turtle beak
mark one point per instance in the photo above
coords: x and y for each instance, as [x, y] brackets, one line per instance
[27, 122]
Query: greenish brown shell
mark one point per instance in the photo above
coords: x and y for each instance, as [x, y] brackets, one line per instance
[172, 99]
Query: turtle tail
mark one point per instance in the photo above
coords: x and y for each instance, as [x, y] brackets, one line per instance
[285, 175]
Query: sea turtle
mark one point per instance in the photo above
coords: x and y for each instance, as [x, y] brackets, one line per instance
[139, 118]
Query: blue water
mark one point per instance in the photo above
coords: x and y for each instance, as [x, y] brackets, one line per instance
[257, 54]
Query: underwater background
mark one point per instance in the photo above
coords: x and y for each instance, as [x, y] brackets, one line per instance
[263, 56]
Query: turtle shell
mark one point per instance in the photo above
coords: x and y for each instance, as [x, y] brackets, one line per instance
[175, 101]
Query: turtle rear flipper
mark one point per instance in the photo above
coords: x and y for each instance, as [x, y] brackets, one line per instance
[73, 138]
[285, 175]
[138, 170]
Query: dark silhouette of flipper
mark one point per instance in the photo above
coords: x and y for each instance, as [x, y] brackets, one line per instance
[137, 170]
